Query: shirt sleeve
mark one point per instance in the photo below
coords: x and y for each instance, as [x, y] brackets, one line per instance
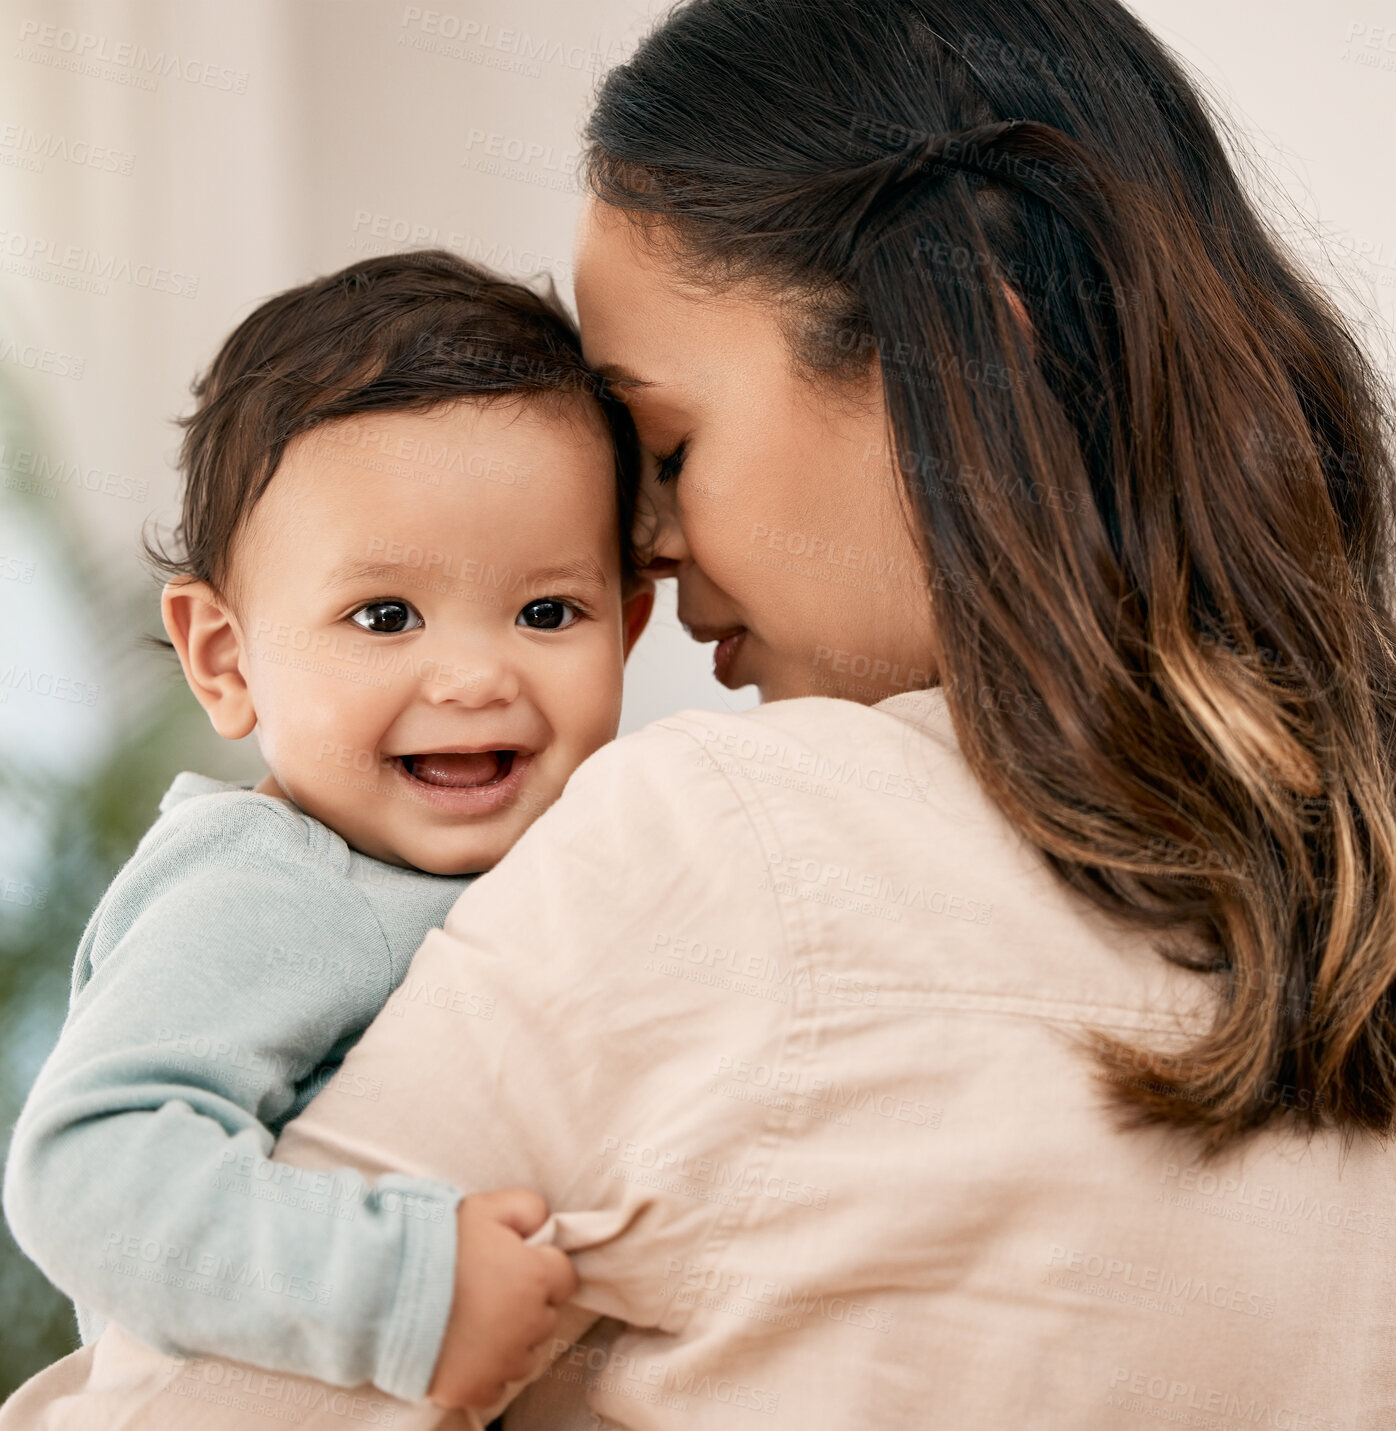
[138, 1176]
[565, 1029]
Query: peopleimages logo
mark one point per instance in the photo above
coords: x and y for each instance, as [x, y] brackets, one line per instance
[1169, 1397]
[32, 147]
[28, 681]
[741, 750]
[790, 873]
[1196, 1186]
[702, 1177]
[742, 1293]
[40, 256]
[752, 972]
[101, 57]
[41, 360]
[1094, 1271]
[802, 1088]
[43, 476]
[272, 1394]
[653, 1382]
[501, 46]
[205, 1270]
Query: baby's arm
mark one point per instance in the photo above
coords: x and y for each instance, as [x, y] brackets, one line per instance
[138, 1176]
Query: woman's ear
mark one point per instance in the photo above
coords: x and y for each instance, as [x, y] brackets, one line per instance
[209, 642]
[635, 613]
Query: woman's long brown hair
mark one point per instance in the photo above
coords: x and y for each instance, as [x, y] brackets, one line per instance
[1159, 510]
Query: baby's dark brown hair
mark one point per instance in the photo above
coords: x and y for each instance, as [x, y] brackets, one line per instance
[402, 331]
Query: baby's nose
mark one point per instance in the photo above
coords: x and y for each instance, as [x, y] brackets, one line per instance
[481, 681]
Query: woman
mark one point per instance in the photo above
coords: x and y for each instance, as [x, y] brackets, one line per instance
[1008, 1042]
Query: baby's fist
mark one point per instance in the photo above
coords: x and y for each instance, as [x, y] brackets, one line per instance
[505, 1299]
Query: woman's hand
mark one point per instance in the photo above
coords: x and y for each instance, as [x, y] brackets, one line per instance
[505, 1299]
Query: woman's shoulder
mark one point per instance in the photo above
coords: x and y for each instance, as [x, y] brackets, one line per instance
[822, 720]
[675, 820]
[710, 795]
[812, 764]
[809, 738]
[809, 757]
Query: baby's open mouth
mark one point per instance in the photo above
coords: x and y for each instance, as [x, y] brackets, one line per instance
[460, 772]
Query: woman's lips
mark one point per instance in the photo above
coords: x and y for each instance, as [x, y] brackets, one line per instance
[465, 784]
[724, 654]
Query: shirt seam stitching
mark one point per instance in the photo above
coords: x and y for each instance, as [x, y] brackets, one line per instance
[775, 1121]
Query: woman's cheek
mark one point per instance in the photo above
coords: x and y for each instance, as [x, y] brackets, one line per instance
[723, 532]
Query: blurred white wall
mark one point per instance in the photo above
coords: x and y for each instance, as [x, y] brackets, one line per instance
[204, 154]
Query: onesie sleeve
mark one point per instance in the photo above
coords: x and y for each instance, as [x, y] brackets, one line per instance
[138, 1176]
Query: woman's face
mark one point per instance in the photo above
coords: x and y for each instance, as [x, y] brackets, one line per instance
[770, 495]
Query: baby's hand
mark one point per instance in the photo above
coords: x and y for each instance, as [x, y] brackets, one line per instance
[505, 1298]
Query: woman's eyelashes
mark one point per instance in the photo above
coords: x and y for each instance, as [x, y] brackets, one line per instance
[672, 465]
[549, 613]
[389, 616]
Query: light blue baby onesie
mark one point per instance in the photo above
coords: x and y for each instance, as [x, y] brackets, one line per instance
[235, 959]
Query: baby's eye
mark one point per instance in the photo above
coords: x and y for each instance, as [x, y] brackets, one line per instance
[548, 614]
[387, 616]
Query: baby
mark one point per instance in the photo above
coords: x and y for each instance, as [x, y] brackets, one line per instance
[403, 567]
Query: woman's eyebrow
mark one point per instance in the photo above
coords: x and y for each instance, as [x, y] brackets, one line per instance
[621, 377]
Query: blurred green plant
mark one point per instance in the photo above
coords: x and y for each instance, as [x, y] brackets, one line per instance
[81, 831]
[77, 826]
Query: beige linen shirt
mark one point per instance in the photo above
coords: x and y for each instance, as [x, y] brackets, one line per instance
[783, 1020]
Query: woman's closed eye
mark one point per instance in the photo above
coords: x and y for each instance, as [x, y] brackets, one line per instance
[672, 465]
[388, 617]
[549, 613]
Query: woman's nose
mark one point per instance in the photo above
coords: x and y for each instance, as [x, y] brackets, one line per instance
[658, 567]
[659, 540]
[657, 532]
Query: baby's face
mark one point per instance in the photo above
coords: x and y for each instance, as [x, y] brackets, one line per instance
[431, 621]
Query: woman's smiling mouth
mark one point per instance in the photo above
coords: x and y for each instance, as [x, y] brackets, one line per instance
[729, 641]
[724, 654]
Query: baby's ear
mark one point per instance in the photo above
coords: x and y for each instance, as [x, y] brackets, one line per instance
[208, 639]
[635, 609]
